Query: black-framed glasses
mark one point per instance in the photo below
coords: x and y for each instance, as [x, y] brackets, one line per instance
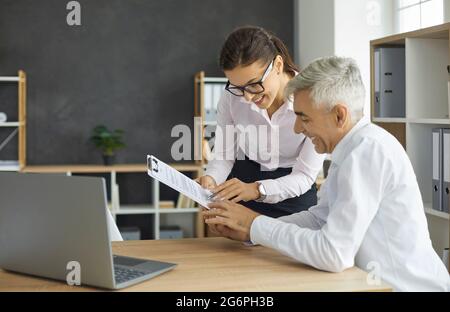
[253, 88]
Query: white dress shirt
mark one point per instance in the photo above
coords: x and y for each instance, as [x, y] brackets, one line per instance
[369, 214]
[287, 149]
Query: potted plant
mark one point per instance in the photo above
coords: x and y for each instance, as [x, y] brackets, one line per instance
[108, 141]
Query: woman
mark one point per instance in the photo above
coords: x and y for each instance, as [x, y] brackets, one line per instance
[273, 176]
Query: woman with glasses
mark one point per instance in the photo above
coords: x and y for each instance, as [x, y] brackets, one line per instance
[258, 159]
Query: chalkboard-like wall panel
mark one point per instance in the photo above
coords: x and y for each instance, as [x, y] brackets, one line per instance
[129, 65]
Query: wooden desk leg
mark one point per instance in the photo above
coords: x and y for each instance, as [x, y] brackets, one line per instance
[200, 226]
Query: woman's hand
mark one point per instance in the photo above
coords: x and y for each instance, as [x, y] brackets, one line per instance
[235, 190]
[207, 182]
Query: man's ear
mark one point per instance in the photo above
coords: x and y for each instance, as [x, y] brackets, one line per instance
[341, 112]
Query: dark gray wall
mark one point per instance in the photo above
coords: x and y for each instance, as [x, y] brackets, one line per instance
[130, 65]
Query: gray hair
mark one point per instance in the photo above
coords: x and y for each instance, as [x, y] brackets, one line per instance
[332, 80]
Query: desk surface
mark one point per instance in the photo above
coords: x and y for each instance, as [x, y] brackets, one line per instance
[214, 264]
[105, 169]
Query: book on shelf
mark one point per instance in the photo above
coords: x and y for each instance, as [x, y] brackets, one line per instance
[181, 200]
[115, 198]
[166, 204]
[185, 202]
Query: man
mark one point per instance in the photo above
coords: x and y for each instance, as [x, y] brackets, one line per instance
[370, 212]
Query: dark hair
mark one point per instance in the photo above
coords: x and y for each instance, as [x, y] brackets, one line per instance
[246, 45]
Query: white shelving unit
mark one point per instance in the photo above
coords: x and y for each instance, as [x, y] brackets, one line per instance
[115, 206]
[427, 55]
[18, 126]
[207, 92]
[153, 209]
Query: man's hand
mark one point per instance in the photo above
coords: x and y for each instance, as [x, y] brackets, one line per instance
[235, 220]
[236, 191]
[217, 230]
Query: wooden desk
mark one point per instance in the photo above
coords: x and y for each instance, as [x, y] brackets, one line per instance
[214, 264]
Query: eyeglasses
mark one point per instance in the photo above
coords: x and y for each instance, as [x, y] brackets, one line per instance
[252, 88]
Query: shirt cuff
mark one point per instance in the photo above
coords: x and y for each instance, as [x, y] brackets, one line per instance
[272, 191]
[262, 229]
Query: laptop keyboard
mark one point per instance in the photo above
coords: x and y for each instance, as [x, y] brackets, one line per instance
[123, 275]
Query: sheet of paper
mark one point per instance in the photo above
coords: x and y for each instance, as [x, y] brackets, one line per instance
[178, 181]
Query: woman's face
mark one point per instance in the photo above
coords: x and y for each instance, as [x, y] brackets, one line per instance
[243, 76]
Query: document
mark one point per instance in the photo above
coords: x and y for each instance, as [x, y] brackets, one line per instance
[178, 181]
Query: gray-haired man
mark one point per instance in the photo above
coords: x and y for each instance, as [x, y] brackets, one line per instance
[370, 211]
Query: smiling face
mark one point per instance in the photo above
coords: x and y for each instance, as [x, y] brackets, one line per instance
[325, 128]
[273, 84]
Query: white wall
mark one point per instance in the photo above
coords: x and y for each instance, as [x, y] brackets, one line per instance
[341, 27]
[356, 23]
[446, 10]
[314, 30]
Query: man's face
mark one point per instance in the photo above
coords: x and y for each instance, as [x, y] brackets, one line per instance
[319, 124]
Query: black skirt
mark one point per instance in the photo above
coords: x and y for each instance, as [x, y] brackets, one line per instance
[249, 171]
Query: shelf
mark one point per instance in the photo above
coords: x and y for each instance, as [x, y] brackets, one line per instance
[10, 124]
[9, 78]
[140, 209]
[431, 121]
[215, 80]
[135, 209]
[178, 210]
[121, 168]
[11, 165]
[434, 32]
[440, 214]
[389, 120]
[147, 209]
[9, 168]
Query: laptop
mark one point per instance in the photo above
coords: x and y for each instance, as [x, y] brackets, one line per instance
[51, 225]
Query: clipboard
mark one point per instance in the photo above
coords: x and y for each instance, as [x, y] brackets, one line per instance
[164, 173]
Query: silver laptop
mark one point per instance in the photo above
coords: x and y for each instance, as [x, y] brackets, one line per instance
[52, 225]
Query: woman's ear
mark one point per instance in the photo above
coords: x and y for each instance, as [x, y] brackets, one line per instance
[341, 112]
[278, 64]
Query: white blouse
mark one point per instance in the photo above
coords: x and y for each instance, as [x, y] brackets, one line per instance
[242, 128]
